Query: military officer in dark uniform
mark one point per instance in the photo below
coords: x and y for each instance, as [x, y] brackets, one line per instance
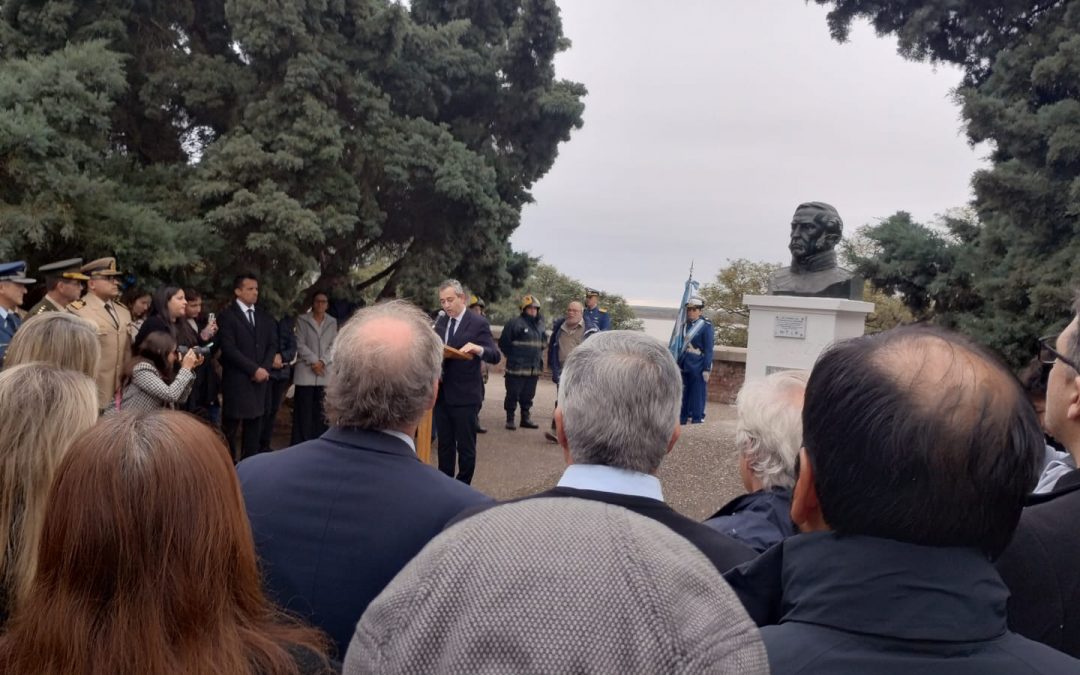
[13, 283]
[63, 284]
[695, 362]
[595, 316]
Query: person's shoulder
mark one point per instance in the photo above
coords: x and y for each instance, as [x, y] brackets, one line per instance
[1021, 654]
[76, 306]
[797, 647]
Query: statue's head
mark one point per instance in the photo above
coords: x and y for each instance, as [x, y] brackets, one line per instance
[816, 227]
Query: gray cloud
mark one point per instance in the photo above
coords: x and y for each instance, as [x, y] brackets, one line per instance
[707, 122]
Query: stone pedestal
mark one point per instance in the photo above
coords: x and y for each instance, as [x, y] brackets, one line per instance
[788, 331]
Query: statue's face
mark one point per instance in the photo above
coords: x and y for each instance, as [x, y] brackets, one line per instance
[807, 236]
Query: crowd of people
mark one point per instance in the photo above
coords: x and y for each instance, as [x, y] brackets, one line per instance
[889, 523]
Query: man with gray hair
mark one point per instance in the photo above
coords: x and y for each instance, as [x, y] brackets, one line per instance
[618, 416]
[335, 518]
[768, 435]
[461, 390]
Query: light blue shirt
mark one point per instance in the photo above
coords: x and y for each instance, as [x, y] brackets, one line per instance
[403, 436]
[611, 479]
[3, 314]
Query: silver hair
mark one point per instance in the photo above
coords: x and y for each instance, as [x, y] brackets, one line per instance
[619, 394]
[379, 383]
[769, 427]
[454, 284]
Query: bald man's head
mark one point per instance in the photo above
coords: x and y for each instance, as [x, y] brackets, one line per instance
[386, 362]
[919, 435]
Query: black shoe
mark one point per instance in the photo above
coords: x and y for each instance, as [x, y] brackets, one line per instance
[480, 429]
[552, 438]
[510, 423]
[527, 423]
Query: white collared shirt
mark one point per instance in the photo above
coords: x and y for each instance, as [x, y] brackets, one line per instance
[403, 436]
[244, 308]
[611, 479]
[3, 314]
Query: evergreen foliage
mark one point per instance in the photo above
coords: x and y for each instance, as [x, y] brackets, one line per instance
[554, 291]
[298, 139]
[1021, 94]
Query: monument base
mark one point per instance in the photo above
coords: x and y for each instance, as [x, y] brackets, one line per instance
[788, 332]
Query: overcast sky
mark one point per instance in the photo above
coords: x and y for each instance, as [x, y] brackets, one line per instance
[708, 121]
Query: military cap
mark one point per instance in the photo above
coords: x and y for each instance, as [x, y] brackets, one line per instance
[68, 269]
[529, 301]
[695, 302]
[15, 272]
[591, 291]
[475, 300]
[102, 267]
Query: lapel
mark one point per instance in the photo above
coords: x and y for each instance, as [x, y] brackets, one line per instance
[244, 317]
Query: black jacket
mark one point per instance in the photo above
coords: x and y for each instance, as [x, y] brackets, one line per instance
[759, 519]
[522, 343]
[722, 551]
[462, 383]
[245, 349]
[1041, 567]
[335, 518]
[853, 605]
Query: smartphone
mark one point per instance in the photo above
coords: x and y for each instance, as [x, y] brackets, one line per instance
[211, 318]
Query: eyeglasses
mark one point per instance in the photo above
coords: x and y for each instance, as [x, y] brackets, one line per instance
[1048, 354]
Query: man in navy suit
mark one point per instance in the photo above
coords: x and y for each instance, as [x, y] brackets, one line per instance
[462, 389]
[337, 517]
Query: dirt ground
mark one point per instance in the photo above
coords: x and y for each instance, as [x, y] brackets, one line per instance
[698, 477]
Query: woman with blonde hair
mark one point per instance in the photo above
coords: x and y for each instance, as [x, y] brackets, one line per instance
[59, 338]
[148, 566]
[42, 409]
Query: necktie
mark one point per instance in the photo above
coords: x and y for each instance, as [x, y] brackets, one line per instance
[112, 314]
[251, 317]
[9, 321]
[450, 331]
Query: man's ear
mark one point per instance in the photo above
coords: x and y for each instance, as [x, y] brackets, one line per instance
[434, 396]
[674, 438]
[1072, 412]
[805, 508]
[560, 433]
[829, 241]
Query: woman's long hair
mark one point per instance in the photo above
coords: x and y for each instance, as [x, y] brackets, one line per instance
[147, 564]
[179, 328]
[42, 409]
[59, 338]
[154, 349]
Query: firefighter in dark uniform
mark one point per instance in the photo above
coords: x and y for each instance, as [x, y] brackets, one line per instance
[695, 362]
[595, 316]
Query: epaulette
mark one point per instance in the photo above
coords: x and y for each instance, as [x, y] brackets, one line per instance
[603, 310]
[76, 305]
[40, 310]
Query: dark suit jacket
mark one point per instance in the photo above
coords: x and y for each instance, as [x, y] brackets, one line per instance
[723, 551]
[245, 349]
[1041, 567]
[462, 383]
[335, 518]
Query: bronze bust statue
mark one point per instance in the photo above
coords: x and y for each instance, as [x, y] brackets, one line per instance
[816, 229]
